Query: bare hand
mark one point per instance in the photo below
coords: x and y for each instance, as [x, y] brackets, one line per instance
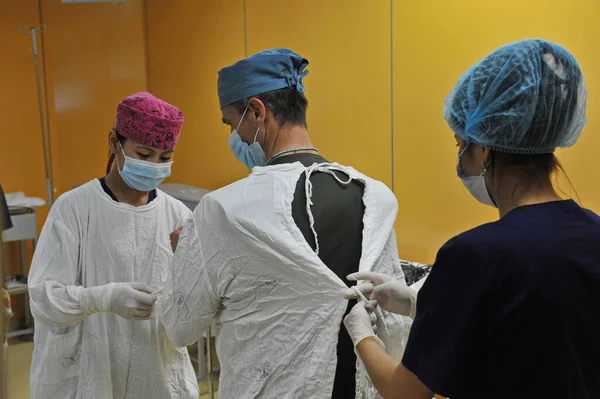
[175, 238]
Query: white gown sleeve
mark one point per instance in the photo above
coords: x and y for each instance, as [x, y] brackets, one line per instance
[54, 290]
[190, 300]
[389, 260]
[393, 331]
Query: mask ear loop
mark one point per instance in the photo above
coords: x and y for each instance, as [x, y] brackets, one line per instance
[460, 154]
[484, 169]
[124, 159]
[242, 118]
[459, 168]
[256, 135]
[237, 129]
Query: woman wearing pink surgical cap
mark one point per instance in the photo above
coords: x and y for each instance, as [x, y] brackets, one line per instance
[101, 259]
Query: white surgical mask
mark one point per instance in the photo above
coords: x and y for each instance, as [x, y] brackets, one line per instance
[250, 155]
[143, 175]
[475, 184]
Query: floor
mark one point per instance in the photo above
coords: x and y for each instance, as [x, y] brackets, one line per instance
[17, 363]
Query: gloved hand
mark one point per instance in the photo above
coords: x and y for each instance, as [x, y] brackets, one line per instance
[131, 301]
[391, 294]
[359, 323]
[370, 308]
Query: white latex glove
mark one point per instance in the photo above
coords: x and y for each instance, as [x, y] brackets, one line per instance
[370, 308]
[133, 301]
[359, 323]
[391, 294]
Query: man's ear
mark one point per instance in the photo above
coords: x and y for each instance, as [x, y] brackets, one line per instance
[257, 111]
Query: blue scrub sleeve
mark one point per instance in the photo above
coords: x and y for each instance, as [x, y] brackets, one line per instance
[446, 338]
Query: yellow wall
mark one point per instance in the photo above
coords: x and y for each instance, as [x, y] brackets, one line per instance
[349, 112]
[350, 88]
[188, 41]
[435, 41]
[348, 45]
[95, 57]
[21, 160]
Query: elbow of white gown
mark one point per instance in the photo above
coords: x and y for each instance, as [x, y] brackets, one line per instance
[181, 330]
[173, 328]
[56, 304]
[186, 333]
[178, 333]
[178, 339]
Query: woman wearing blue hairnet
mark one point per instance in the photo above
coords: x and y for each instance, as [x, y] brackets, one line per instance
[511, 308]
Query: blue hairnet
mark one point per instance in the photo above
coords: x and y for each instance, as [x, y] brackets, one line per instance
[528, 97]
[260, 73]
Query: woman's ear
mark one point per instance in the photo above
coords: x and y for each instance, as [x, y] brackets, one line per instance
[486, 155]
[113, 142]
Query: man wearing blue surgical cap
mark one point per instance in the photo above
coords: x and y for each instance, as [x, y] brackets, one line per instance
[268, 255]
[511, 308]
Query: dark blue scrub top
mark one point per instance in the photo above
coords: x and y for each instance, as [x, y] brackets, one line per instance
[511, 309]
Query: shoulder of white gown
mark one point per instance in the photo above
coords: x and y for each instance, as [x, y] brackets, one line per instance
[74, 202]
[174, 204]
[78, 194]
[225, 195]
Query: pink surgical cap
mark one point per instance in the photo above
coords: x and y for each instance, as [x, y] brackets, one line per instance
[147, 120]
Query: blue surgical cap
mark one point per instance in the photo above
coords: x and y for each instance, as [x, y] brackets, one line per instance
[528, 97]
[260, 73]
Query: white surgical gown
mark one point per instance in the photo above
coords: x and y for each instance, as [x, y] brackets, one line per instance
[90, 240]
[242, 260]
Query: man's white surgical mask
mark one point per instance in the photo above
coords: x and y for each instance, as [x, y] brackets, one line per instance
[475, 184]
[250, 155]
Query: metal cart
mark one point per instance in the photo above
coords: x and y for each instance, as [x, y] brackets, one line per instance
[24, 228]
